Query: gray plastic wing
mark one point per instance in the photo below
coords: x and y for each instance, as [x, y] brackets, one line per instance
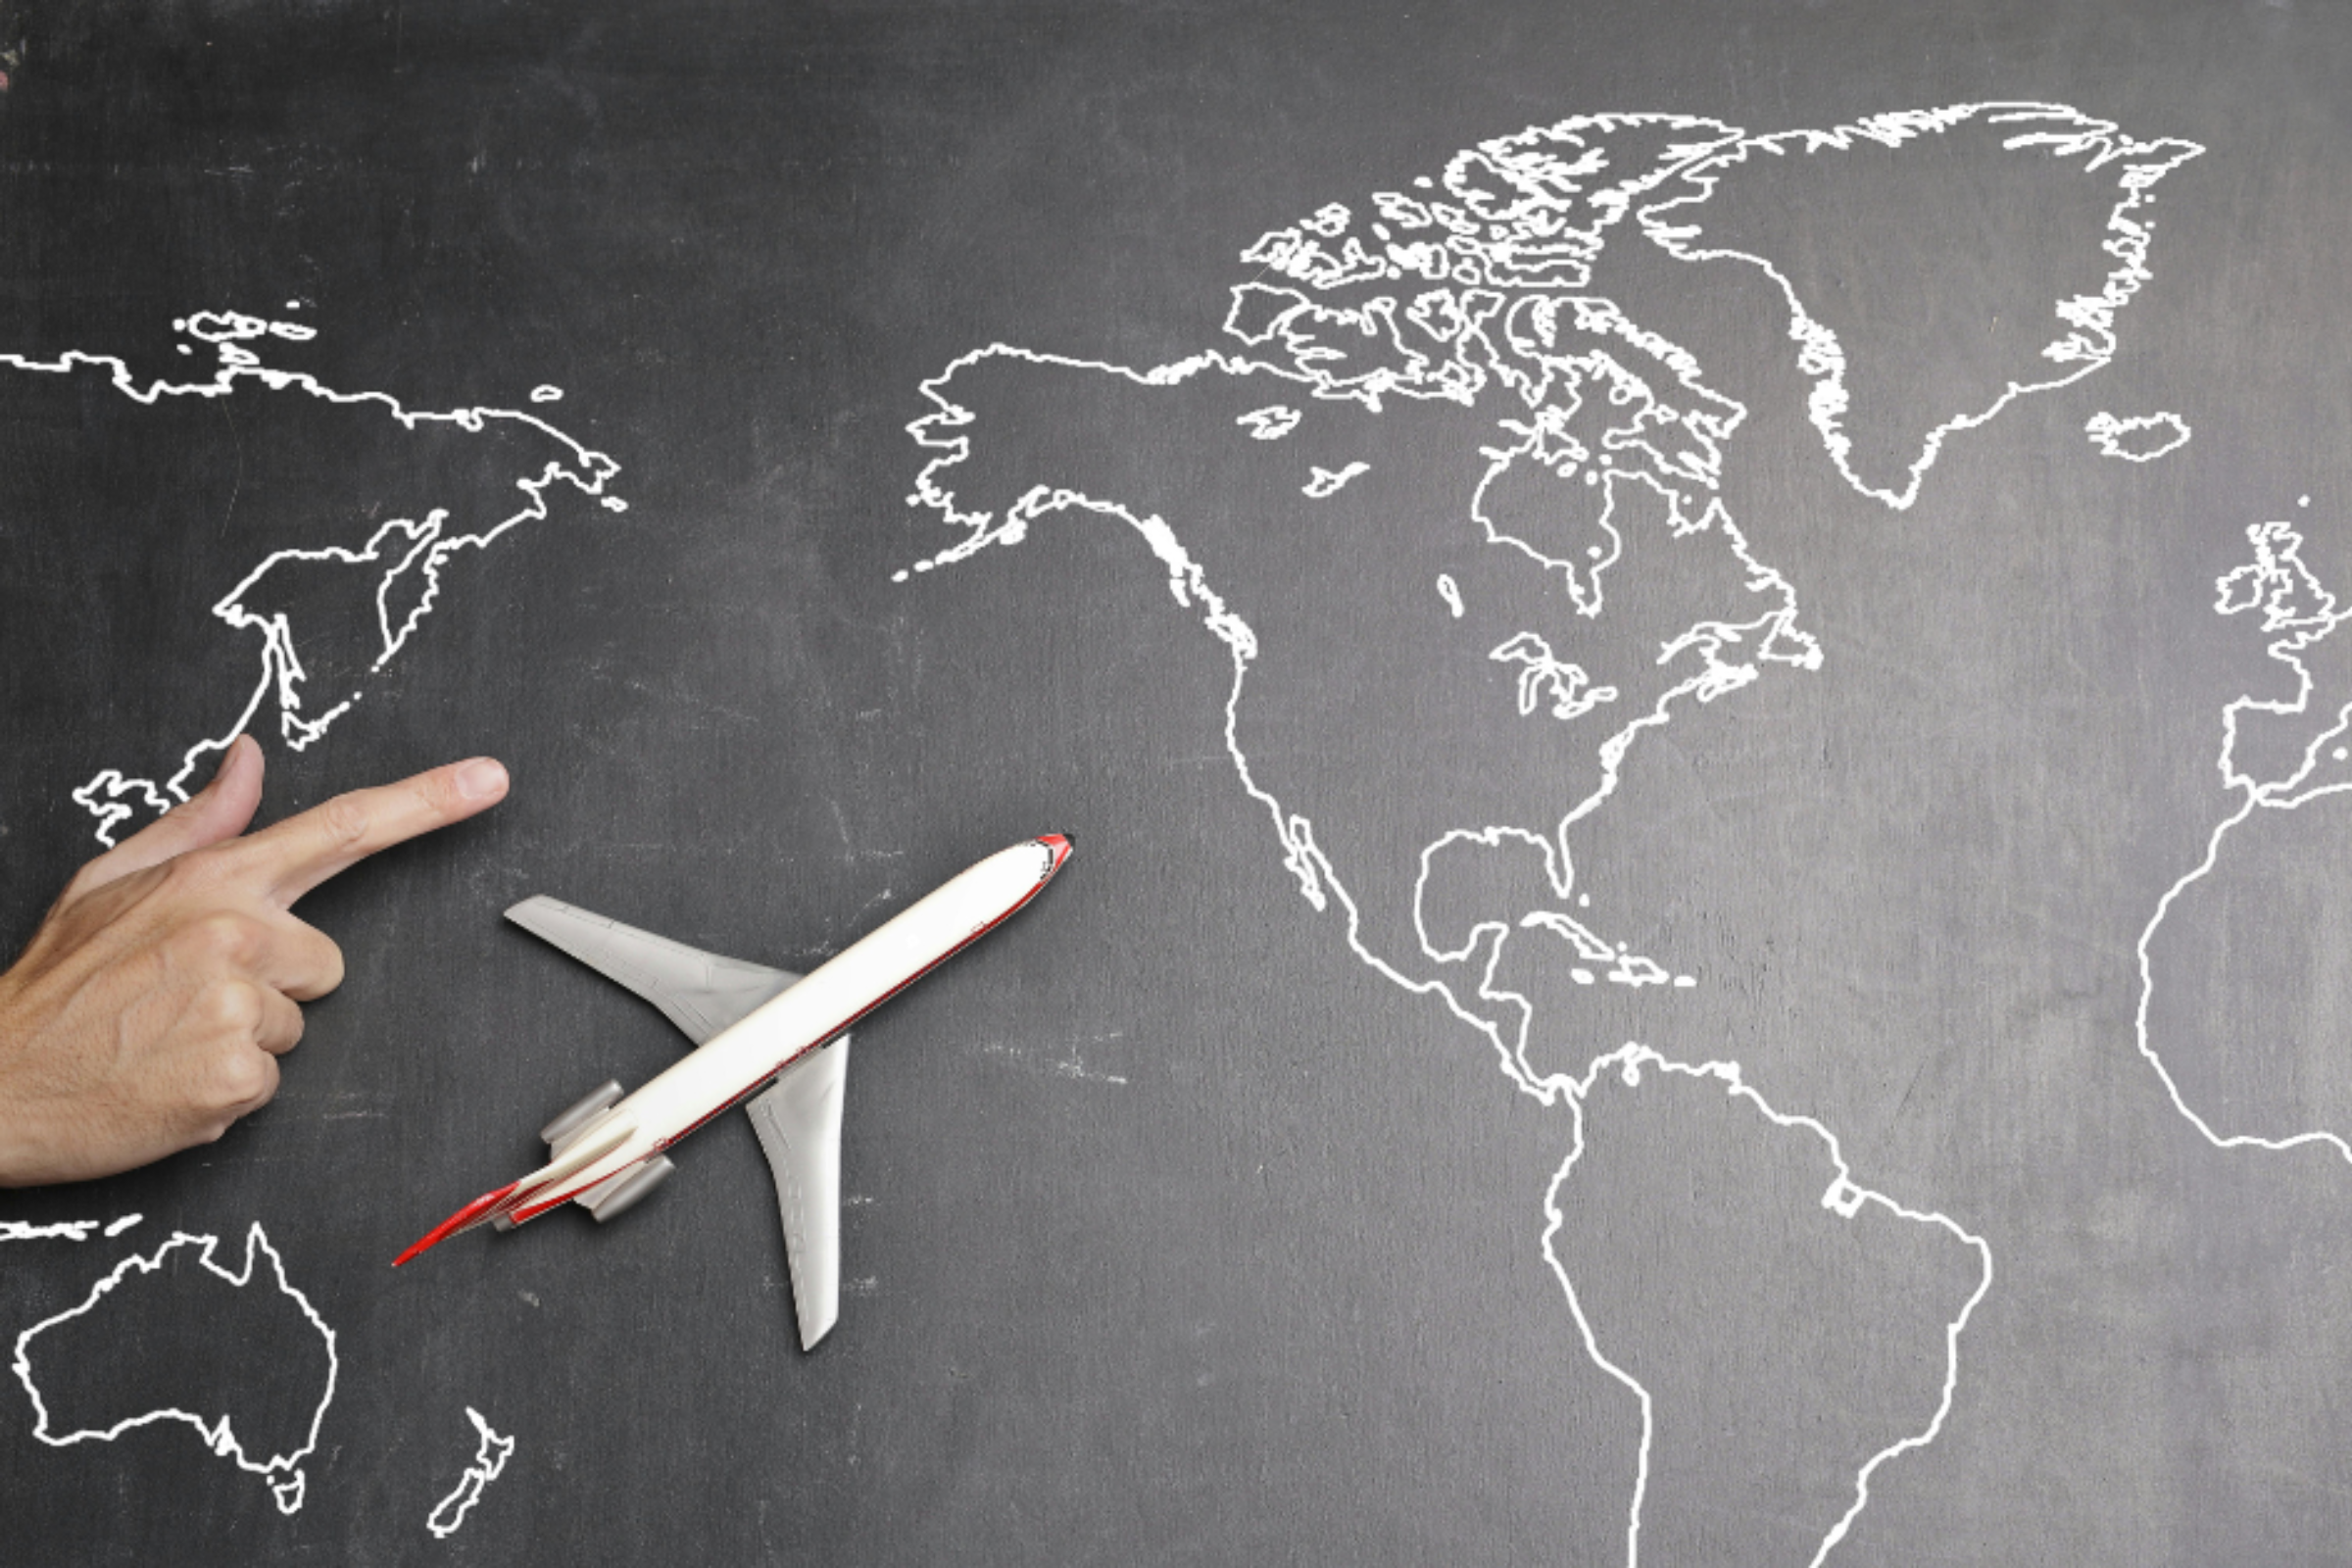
[798, 1123]
[700, 992]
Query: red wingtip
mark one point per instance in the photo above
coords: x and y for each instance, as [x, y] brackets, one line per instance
[472, 1215]
[1059, 846]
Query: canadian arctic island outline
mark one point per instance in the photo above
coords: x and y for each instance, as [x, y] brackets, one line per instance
[405, 555]
[1498, 250]
[282, 1468]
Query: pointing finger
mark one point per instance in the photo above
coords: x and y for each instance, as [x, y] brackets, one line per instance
[220, 810]
[293, 857]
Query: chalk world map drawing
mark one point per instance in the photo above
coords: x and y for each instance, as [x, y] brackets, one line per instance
[1434, 435]
[1430, 440]
[177, 1336]
[316, 623]
[239, 1355]
[299, 635]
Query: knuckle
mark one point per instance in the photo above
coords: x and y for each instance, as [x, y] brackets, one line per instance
[223, 939]
[438, 790]
[282, 1024]
[192, 872]
[243, 1081]
[229, 1007]
[343, 822]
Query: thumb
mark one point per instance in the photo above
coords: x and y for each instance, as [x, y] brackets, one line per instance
[220, 810]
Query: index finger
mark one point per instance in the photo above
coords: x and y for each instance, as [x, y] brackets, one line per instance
[293, 857]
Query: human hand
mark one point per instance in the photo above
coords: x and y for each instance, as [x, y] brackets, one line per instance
[149, 1010]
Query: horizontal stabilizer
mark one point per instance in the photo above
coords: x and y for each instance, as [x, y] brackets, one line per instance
[701, 993]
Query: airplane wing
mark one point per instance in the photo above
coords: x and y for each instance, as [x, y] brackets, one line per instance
[798, 1123]
[700, 992]
[798, 1119]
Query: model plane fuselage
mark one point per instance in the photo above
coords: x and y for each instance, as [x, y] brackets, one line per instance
[754, 1028]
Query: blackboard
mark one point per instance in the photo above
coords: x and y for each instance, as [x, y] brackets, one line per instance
[1692, 647]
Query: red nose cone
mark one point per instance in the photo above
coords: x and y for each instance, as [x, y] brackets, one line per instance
[1062, 844]
[465, 1219]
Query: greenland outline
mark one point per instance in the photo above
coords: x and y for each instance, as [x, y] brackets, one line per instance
[2089, 343]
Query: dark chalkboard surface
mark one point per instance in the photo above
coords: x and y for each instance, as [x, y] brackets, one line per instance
[1693, 649]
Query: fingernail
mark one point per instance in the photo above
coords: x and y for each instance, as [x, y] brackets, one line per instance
[482, 779]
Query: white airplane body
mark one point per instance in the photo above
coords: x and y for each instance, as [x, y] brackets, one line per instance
[754, 1028]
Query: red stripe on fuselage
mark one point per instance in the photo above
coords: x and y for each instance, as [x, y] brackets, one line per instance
[1053, 860]
[472, 1215]
[1058, 849]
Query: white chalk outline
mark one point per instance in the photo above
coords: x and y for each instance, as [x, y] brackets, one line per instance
[1325, 483]
[1774, 637]
[1271, 422]
[112, 797]
[490, 1455]
[287, 1484]
[65, 1229]
[2277, 583]
[1543, 671]
[2089, 342]
[2107, 433]
[1188, 584]
[1533, 179]
[1843, 1196]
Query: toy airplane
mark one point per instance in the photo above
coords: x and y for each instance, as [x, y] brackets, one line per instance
[758, 1032]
